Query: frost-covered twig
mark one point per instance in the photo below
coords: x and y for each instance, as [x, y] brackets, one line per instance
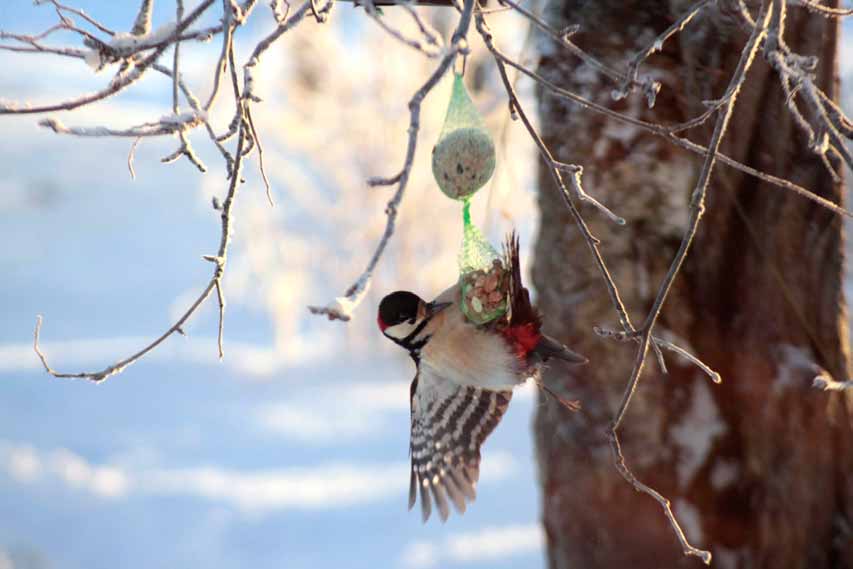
[664, 131]
[658, 343]
[116, 85]
[575, 172]
[431, 48]
[654, 46]
[563, 38]
[341, 308]
[62, 8]
[826, 10]
[796, 75]
[166, 125]
[826, 383]
[430, 34]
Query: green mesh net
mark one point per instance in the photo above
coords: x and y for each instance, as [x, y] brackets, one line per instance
[481, 274]
[476, 254]
[463, 159]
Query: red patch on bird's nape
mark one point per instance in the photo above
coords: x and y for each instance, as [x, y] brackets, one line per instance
[523, 339]
[381, 323]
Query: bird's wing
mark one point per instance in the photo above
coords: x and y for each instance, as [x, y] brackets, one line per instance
[450, 422]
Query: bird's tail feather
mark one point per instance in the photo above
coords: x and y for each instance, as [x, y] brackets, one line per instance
[522, 311]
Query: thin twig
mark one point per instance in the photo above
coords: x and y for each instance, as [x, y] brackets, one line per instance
[657, 45]
[715, 377]
[81, 13]
[562, 38]
[575, 172]
[179, 14]
[257, 140]
[826, 10]
[431, 49]
[130, 156]
[658, 343]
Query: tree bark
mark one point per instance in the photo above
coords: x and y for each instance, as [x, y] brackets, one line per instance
[760, 468]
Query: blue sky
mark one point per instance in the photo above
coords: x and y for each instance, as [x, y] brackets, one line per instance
[272, 458]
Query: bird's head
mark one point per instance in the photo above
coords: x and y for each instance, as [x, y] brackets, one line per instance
[403, 315]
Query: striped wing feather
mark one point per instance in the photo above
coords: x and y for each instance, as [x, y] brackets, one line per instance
[450, 422]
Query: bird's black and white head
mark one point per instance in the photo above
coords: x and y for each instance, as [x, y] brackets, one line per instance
[403, 317]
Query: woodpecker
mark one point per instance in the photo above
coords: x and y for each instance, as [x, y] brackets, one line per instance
[464, 381]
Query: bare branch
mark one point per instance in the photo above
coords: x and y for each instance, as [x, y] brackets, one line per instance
[563, 38]
[626, 473]
[60, 8]
[654, 46]
[658, 343]
[575, 172]
[257, 140]
[432, 49]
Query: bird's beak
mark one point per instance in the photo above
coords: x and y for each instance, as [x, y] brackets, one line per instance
[433, 308]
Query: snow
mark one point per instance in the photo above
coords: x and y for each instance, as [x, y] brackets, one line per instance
[797, 368]
[184, 118]
[696, 432]
[724, 473]
[124, 41]
[93, 60]
[691, 521]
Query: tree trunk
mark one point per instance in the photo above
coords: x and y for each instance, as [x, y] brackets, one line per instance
[760, 468]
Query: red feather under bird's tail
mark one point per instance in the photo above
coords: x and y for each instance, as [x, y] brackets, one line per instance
[524, 321]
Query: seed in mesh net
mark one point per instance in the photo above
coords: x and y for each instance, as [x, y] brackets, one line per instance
[490, 283]
[463, 161]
